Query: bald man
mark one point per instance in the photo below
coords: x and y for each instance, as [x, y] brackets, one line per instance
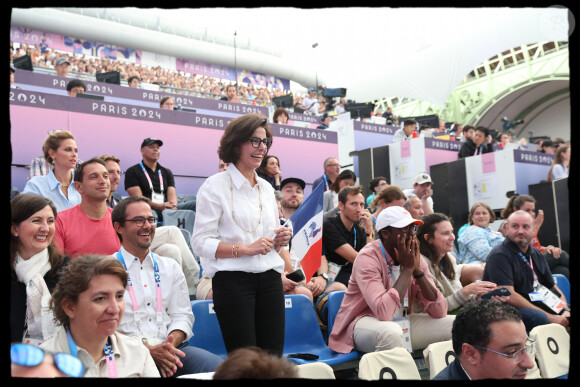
[524, 271]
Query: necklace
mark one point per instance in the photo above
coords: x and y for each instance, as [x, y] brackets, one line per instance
[234, 213]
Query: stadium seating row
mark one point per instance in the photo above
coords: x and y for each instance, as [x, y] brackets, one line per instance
[303, 336]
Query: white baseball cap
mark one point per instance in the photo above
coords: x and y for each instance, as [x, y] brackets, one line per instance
[423, 178]
[395, 216]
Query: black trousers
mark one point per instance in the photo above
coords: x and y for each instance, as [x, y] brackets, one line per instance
[250, 309]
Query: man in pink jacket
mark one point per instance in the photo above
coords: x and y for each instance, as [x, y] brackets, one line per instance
[388, 276]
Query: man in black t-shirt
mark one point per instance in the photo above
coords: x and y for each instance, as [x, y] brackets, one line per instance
[346, 234]
[150, 179]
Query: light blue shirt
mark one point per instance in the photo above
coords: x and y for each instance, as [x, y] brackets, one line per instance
[49, 187]
[558, 172]
[476, 242]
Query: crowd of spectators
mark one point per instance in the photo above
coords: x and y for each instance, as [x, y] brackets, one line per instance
[181, 82]
[404, 263]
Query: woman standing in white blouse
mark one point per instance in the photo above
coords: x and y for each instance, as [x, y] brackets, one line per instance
[238, 236]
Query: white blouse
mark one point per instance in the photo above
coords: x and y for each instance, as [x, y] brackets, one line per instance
[214, 222]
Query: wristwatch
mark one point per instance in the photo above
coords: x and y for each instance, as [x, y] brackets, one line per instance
[325, 276]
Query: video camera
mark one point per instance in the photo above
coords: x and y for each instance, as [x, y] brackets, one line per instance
[330, 94]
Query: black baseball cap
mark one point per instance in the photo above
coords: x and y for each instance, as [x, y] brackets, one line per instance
[150, 140]
[296, 180]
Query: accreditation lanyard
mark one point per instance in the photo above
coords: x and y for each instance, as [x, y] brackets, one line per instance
[406, 299]
[109, 354]
[530, 263]
[478, 149]
[326, 182]
[149, 179]
[354, 229]
[131, 290]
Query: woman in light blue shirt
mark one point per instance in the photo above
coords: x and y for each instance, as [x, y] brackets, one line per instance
[60, 150]
[559, 168]
[478, 239]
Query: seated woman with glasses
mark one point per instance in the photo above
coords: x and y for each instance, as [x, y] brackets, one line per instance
[88, 302]
[28, 361]
[35, 263]
[238, 236]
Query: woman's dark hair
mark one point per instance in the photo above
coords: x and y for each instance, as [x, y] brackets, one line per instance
[262, 169]
[516, 201]
[280, 112]
[76, 277]
[23, 206]
[346, 174]
[428, 228]
[239, 131]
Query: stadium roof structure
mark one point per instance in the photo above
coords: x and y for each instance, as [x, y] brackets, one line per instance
[419, 53]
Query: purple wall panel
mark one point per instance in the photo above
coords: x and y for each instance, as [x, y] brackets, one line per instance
[190, 140]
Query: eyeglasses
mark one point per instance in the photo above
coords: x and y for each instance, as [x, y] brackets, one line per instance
[30, 356]
[413, 227]
[255, 141]
[518, 355]
[140, 222]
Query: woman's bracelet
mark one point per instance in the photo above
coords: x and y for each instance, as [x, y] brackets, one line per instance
[235, 249]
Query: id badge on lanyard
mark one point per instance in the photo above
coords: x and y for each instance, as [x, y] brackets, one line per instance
[333, 270]
[135, 305]
[542, 293]
[158, 198]
[109, 354]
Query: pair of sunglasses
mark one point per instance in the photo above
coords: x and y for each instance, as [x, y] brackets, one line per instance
[30, 356]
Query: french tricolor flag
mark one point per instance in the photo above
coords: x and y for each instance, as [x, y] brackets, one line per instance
[307, 228]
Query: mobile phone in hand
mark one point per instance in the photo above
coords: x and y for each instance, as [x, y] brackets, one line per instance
[503, 291]
[296, 276]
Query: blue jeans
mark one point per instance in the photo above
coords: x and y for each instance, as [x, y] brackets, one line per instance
[196, 361]
[533, 317]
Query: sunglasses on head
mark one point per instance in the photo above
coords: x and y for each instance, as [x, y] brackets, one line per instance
[27, 355]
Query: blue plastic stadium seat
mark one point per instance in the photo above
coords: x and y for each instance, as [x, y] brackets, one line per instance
[334, 301]
[564, 285]
[303, 334]
[206, 328]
